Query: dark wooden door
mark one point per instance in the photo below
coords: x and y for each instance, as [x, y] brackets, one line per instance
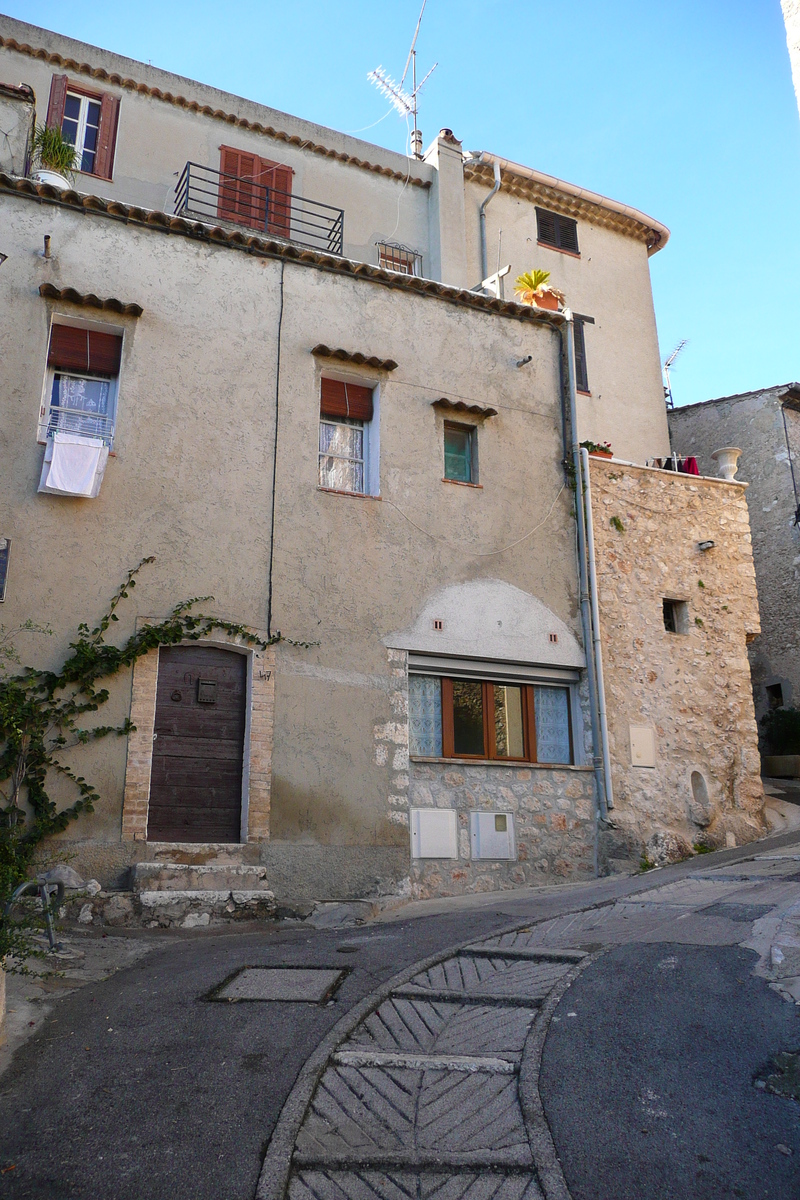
[196, 780]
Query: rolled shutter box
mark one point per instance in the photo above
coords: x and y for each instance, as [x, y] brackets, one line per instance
[339, 399]
[84, 350]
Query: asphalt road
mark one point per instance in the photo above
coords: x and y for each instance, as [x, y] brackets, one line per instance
[141, 1087]
[648, 1088]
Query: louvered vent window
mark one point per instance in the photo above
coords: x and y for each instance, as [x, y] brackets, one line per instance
[553, 229]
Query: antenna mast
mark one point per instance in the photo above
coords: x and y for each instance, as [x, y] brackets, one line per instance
[405, 102]
[668, 363]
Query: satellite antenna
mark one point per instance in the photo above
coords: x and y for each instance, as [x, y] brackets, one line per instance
[667, 364]
[404, 101]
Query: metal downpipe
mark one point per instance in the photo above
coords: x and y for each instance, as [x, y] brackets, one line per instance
[598, 649]
[586, 619]
[484, 206]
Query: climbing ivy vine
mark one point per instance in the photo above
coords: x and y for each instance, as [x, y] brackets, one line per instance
[43, 716]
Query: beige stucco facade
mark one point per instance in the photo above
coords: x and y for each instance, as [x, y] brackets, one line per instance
[227, 334]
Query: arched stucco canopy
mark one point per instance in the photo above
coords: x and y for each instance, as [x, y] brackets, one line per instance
[490, 619]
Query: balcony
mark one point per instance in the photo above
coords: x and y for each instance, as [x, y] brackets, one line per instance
[203, 194]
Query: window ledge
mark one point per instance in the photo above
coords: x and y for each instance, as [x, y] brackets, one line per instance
[581, 392]
[499, 762]
[463, 483]
[558, 250]
[353, 495]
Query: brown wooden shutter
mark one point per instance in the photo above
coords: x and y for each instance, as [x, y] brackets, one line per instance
[339, 399]
[58, 98]
[278, 178]
[581, 374]
[106, 136]
[568, 234]
[84, 350]
[240, 197]
[546, 227]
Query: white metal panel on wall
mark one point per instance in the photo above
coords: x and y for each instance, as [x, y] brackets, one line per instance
[492, 835]
[433, 833]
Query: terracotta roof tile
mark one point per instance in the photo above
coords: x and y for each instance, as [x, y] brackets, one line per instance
[279, 135]
[361, 360]
[89, 300]
[268, 248]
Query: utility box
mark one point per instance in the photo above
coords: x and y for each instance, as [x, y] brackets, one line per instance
[433, 833]
[492, 835]
[643, 746]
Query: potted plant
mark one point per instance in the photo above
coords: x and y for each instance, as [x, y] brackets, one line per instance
[598, 449]
[532, 288]
[54, 158]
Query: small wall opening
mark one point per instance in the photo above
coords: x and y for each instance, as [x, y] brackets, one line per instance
[774, 695]
[701, 803]
[676, 616]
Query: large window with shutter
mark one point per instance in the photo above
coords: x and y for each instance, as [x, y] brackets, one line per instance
[255, 191]
[557, 231]
[87, 119]
[81, 386]
[348, 450]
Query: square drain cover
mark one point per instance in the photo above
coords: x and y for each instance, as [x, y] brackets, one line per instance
[312, 984]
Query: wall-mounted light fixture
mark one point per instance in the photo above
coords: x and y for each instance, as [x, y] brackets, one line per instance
[709, 545]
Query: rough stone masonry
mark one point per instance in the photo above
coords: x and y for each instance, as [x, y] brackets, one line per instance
[683, 736]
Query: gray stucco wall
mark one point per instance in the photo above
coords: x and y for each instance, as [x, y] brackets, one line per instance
[754, 423]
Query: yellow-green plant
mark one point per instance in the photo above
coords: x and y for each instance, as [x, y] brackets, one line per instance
[531, 284]
[52, 151]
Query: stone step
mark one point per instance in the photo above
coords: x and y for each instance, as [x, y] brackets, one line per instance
[184, 877]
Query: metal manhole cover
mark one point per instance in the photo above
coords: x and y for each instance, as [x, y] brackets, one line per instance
[311, 985]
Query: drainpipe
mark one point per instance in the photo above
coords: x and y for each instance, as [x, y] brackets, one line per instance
[586, 618]
[484, 206]
[598, 650]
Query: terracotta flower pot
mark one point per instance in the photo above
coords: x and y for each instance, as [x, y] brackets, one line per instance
[546, 299]
[601, 454]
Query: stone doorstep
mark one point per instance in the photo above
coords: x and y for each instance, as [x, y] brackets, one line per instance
[204, 897]
[148, 877]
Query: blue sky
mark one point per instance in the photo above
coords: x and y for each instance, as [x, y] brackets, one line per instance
[683, 109]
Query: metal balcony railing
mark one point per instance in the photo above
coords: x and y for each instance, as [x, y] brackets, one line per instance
[205, 194]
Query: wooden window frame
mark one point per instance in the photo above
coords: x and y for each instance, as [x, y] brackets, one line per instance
[472, 430]
[489, 736]
[107, 129]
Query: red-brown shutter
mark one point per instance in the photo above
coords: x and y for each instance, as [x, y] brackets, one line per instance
[278, 178]
[84, 350]
[240, 197]
[58, 98]
[106, 136]
[339, 399]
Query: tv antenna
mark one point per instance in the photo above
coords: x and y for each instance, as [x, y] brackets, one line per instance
[667, 364]
[404, 101]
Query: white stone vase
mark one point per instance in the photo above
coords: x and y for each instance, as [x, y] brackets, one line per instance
[54, 178]
[727, 460]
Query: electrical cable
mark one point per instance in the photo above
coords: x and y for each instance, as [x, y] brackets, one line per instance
[479, 553]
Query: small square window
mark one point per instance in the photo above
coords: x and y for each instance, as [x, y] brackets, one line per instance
[553, 229]
[774, 695]
[394, 257]
[460, 453]
[676, 616]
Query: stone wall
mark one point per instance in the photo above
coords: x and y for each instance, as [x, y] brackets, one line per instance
[754, 422]
[553, 811]
[691, 689]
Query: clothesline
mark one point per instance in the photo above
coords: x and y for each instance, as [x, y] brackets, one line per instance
[675, 462]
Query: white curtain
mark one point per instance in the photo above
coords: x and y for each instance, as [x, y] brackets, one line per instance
[425, 716]
[552, 724]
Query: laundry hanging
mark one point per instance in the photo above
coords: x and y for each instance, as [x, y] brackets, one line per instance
[73, 465]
